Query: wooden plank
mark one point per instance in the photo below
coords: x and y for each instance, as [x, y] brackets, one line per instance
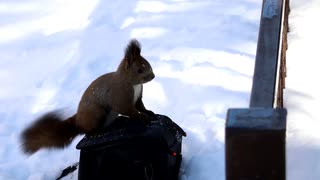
[284, 46]
[264, 80]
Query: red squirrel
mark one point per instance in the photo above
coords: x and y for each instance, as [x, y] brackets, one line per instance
[111, 94]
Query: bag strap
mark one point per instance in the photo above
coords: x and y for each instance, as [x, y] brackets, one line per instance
[68, 170]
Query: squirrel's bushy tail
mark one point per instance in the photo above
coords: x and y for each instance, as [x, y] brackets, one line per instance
[49, 131]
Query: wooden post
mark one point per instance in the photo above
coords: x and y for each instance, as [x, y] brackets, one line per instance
[255, 136]
[255, 144]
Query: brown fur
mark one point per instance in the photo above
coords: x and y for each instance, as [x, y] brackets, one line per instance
[106, 97]
[49, 131]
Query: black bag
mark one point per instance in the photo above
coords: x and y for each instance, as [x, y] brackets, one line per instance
[129, 149]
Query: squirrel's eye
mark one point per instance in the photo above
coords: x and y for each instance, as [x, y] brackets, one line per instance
[139, 71]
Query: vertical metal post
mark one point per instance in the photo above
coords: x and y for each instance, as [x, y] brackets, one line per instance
[264, 79]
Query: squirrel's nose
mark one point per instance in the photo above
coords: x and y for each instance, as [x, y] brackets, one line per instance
[152, 76]
[149, 77]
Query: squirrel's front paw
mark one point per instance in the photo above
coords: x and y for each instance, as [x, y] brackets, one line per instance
[145, 116]
[149, 116]
[152, 115]
[142, 117]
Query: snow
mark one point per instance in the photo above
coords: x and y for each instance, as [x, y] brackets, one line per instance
[202, 53]
[302, 92]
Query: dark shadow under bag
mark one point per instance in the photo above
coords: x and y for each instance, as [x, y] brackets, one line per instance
[130, 149]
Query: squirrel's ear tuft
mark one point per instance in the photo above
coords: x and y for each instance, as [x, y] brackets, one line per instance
[133, 50]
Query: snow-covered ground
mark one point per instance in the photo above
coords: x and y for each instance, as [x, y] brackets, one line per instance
[302, 91]
[202, 52]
